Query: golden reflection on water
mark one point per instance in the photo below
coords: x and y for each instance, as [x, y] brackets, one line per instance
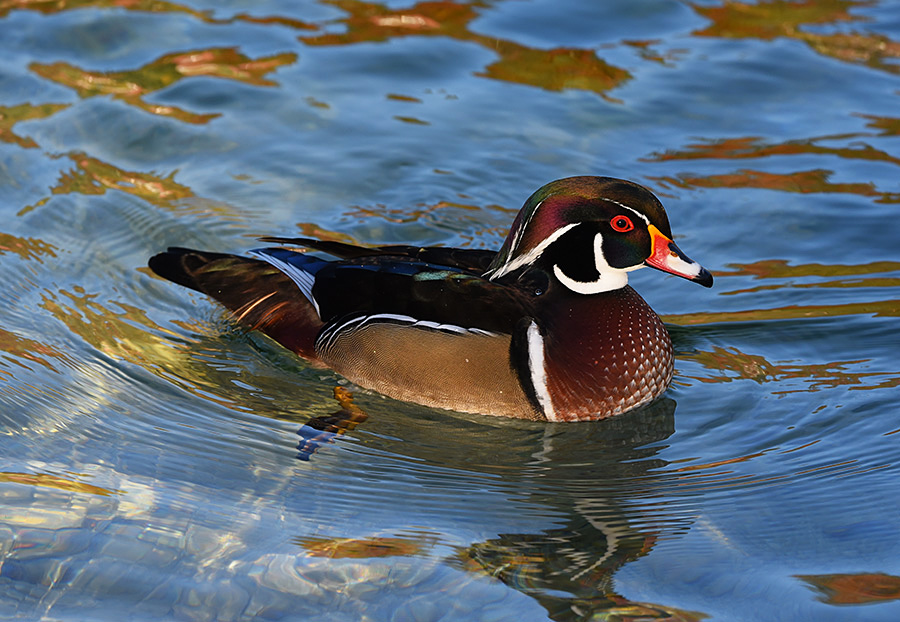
[877, 308]
[755, 147]
[47, 480]
[803, 182]
[26, 248]
[780, 269]
[785, 19]
[24, 349]
[854, 588]
[362, 548]
[49, 7]
[728, 364]
[554, 70]
[770, 20]
[92, 176]
[778, 18]
[132, 86]
[124, 332]
[10, 115]
[889, 126]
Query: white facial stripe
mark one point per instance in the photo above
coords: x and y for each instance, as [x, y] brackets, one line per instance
[614, 279]
[537, 371]
[599, 258]
[532, 255]
[610, 278]
[518, 238]
[630, 209]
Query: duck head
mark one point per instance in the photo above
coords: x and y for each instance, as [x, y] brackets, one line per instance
[590, 232]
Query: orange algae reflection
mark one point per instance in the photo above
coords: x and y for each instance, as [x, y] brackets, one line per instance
[854, 589]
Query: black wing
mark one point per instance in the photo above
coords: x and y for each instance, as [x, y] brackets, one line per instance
[384, 285]
[466, 259]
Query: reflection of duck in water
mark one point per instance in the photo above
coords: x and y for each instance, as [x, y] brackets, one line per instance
[584, 483]
[569, 569]
[547, 328]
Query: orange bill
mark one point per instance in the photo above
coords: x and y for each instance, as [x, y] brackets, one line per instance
[666, 256]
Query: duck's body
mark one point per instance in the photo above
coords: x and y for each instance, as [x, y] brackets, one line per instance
[546, 328]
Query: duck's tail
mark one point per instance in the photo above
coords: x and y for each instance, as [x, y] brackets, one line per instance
[259, 295]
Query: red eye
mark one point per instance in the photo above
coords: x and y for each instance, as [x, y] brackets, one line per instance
[621, 224]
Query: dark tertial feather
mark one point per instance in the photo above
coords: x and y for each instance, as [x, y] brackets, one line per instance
[259, 295]
[467, 259]
[374, 285]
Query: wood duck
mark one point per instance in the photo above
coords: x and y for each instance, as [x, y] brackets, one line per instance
[547, 328]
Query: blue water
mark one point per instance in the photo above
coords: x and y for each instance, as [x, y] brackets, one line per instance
[154, 458]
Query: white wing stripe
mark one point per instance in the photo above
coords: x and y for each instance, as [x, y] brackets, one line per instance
[326, 339]
[532, 255]
[304, 280]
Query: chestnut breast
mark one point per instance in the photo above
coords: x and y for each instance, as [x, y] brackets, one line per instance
[604, 354]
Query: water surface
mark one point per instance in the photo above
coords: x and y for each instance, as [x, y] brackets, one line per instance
[157, 462]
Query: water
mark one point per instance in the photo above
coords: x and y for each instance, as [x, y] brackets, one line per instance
[155, 462]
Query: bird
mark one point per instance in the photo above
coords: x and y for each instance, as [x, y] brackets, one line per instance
[546, 328]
